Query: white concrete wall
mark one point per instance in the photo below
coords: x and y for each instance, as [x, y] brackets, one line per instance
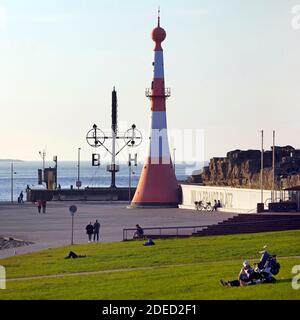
[232, 199]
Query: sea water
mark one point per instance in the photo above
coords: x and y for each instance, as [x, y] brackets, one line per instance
[26, 173]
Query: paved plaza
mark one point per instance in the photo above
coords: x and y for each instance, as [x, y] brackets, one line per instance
[53, 229]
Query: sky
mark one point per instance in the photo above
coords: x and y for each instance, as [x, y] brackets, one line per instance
[232, 66]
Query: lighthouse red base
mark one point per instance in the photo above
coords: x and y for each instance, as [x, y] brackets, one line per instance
[157, 187]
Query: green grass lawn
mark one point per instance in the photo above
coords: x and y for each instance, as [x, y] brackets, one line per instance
[172, 269]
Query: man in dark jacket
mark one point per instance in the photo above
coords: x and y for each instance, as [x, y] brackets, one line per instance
[139, 233]
[96, 230]
[89, 231]
[44, 204]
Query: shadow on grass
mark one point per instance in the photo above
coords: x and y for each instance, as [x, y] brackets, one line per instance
[284, 281]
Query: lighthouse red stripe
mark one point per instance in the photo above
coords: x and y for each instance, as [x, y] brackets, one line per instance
[158, 100]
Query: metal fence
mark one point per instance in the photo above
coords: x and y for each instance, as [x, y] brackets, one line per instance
[161, 232]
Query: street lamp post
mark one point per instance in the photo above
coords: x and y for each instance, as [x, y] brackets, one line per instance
[55, 161]
[12, 181]
[130, 159]
[262, 167]
[273, 169]
[78, 167]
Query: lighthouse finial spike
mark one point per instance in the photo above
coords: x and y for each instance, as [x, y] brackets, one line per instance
[159, 16]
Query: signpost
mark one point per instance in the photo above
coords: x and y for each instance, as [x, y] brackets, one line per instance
[78, 184]
[72, 210]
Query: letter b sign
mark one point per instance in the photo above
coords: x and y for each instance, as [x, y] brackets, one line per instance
[96, 160]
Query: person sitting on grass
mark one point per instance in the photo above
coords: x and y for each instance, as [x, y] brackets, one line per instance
[245, 278]
[149, 242]
[139, 233]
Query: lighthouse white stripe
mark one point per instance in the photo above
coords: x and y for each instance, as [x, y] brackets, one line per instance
[159, 65]
[159, 145]
[159, 120]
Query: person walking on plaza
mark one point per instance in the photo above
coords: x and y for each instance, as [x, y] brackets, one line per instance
[21, 196]
[39, 205]
[89, 231]
[44, 204]
[96, 231]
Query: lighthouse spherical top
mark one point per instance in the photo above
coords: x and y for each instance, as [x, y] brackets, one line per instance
[158, 35]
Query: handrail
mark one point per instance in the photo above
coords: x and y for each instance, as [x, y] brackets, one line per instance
[125, 230]
[166, 93]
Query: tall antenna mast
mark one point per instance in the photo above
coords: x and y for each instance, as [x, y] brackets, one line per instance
[113, 169]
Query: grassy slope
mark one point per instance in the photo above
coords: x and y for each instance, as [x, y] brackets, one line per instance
[182, 269]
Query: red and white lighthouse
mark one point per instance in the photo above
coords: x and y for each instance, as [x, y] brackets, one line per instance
[158, 185]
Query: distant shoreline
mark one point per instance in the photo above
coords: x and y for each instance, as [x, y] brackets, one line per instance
[11, 160]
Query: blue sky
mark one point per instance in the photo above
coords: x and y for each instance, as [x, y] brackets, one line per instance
[233, 67]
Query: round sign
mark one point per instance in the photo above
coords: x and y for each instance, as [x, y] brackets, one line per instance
[73, 209]
[78, 184]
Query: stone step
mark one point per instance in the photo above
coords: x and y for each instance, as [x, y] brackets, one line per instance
[252, 223]
[241, 231]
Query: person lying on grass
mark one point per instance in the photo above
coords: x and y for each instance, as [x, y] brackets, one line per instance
[73, 255]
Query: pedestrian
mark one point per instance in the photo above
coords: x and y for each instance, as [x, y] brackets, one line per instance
[44, 204]
[21, 196]
[89, 231]
[39, 205]
[139, 233]
[96, 230]
[215, 207]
